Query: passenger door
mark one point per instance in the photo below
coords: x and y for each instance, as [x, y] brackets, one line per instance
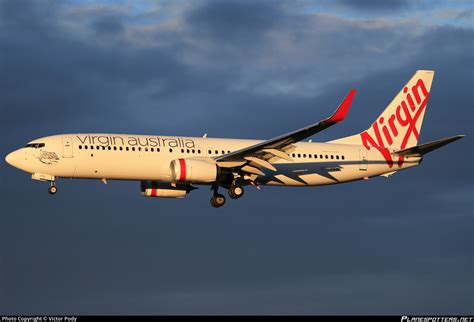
[67, 147]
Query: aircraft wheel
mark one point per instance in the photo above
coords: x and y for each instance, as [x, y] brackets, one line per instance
[235, 192]
[52, 190]
[217, 201]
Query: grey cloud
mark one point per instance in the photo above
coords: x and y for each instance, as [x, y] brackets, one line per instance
[231, 21]
[28, 15]
[108, 25]
[69, 77]
[376, 5]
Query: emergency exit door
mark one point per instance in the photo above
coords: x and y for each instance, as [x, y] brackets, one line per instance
[363, 160]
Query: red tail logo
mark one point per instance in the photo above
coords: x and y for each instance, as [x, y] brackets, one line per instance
[402, 122]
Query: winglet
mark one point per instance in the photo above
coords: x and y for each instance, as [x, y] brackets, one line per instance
[342, 110]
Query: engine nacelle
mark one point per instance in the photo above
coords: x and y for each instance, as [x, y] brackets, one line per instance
[164, 190]
[193, 170]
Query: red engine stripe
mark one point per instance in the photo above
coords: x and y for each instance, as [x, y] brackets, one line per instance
[182, 166]
[153, 192]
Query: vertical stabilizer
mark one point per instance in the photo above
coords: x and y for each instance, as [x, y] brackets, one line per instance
[399, 125]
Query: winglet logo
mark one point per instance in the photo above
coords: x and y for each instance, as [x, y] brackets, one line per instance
[387, 131]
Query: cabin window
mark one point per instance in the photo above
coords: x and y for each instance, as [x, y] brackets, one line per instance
[337, 157]
[139, 148]
[133, 148]
[146, 149]
[228, 151]
[80, 147]
[304, 155]
[293, 155]
[152, 149]
[103, 147]
[332, 156]
[109, 148]
[171, 150]
[217, 152]
[115, 148]
[97, 147]
[342, 157]
[315, 156]
[157, 149]
[199, 151]
[126, 148]
[120, 148]
[310, 156]
[193, 151]
[92, 147]
[326, 156]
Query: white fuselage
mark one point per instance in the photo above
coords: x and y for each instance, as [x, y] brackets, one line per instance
[140, 157]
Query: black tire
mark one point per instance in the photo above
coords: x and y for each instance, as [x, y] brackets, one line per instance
[217, 201]
[235, 192]
[213, 203]
[52, 190]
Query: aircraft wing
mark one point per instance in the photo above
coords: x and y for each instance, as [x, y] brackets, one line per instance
[261, 155]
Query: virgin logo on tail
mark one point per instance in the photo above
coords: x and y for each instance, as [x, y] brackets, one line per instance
[402, 122]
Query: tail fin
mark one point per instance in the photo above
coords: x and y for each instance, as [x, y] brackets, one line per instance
[399, 125]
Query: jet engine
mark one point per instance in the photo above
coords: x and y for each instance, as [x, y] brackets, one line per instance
[164, 190]
[193, 170]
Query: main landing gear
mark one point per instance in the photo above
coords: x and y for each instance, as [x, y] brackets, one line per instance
[52, 188]
[235, 191]
[218, 200]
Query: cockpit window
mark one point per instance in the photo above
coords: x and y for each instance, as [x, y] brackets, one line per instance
[34, 145]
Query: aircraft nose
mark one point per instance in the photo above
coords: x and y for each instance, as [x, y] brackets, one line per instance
[12, 158]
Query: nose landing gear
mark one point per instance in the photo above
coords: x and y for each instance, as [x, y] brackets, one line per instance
[52, 188]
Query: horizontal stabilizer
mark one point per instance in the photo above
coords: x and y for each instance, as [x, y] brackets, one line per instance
[422, 149]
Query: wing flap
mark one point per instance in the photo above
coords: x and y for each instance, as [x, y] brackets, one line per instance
[260, 163]
[278, 153]
[252, 170]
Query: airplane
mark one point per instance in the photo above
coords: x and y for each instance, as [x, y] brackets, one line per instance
[171, 167]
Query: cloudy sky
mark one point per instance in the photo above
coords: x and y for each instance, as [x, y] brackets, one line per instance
[248, 69]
